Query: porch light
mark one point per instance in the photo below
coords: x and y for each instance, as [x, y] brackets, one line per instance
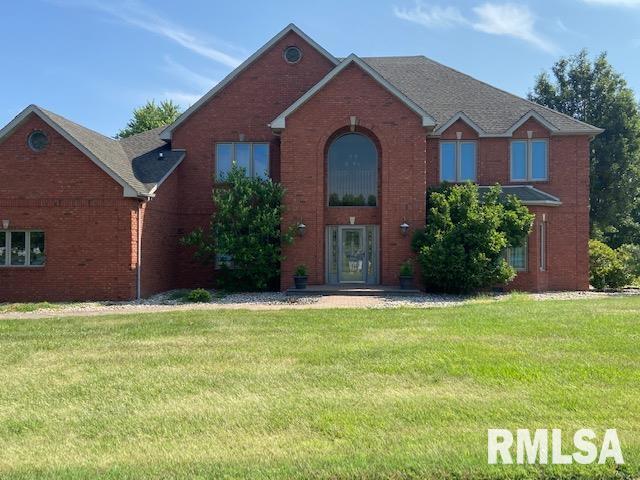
[5, 224]
[404, 228]
[301, 229]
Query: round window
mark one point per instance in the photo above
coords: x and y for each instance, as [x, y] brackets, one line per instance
[38, 140]
[292, 54]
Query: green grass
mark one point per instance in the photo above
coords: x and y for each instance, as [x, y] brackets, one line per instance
[310, 393]
[29, 307]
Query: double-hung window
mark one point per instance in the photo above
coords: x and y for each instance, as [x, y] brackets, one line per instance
[253, 157]
[458, 161]
[529, 160]
[19, 248]
[517, 256]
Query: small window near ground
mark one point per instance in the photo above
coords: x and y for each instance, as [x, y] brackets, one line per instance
[529, 160]
[543, 246]
[252, 157]
[223, 260]
[22, 249]
[458, 161]
[517, 257]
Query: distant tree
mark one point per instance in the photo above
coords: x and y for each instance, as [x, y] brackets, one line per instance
[150, 116]
[595, 93]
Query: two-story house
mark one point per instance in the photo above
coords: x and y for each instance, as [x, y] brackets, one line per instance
[355, 141]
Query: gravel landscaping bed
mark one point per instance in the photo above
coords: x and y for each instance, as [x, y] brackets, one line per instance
[175, 300]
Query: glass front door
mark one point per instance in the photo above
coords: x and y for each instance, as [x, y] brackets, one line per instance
[352, 254]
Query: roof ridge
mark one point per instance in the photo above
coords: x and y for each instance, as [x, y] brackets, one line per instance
[49, 113]
[505, 91]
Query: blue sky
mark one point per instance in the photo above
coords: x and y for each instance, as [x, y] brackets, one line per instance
[93, 61]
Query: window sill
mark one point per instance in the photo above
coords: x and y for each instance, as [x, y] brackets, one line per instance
[22, 267]
[353, 206]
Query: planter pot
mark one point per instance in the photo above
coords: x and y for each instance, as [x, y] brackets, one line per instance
[406, 282]
[300, 282]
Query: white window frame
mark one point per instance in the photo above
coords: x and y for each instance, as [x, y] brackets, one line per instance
[525, 246]
[27, 246]
[252, 165]
[529, 160]
[458, 159]
[542, 232]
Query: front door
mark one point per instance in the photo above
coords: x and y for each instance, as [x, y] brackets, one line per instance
[353, 256]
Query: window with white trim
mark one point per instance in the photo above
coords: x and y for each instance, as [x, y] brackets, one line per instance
[529, 160]
[458, 161]
[253, 157]
[21, 248]
[517, 256]
[543, 245]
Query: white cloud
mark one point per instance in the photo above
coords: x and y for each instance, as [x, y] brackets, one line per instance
[505, 19]
[184, 99]
[513, 21]
[614, 3]
[137, 15]
[190, 77]
[431, 16]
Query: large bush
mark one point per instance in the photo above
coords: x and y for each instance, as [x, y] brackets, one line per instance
[245, 229]
[631, 257]
[462, 246]
[608, 268]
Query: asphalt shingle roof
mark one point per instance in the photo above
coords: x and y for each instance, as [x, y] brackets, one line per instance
[135, 159]
[443, 92]
[527, 194]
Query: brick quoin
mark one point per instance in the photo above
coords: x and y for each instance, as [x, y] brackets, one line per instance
[95, 235]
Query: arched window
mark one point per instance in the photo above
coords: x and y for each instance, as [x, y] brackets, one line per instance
[352, 171]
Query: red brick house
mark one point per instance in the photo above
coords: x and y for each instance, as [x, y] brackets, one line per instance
[356, 142]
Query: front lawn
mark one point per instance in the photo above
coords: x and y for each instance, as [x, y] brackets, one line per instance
[403, 393]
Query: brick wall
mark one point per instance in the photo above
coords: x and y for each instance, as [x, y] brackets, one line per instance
[567, 225]
[86, 220]
[401, 140]
[160, 239]
[243, 109]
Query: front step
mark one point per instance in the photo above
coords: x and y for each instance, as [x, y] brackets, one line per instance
[353, 290]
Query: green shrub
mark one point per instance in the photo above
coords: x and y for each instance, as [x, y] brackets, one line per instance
[406, 269]
[631, 257]
[199, 295]
[462, 246]
[246, 228]
[607, 268]
[301, 271]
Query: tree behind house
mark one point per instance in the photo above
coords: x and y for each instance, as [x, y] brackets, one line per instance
[150, 116]
[595, 93]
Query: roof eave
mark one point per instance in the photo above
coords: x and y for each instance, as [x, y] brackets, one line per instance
[127, 189]
[279, 123]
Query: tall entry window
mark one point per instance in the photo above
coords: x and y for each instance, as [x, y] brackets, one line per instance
[352, 171]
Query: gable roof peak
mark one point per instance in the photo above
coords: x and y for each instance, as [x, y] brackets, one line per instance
[166, 133]
[279, 122]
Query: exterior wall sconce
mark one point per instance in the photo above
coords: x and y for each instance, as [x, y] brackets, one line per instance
[301, 229]
[5, 224]
[404, 228]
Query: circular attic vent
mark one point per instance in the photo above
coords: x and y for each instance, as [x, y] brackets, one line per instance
[38, 140]
[292, 54]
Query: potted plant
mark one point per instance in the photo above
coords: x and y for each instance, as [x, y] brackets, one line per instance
[300, 277]
[406, 275]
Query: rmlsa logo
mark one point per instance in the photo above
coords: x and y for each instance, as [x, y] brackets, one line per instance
[536, 450]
